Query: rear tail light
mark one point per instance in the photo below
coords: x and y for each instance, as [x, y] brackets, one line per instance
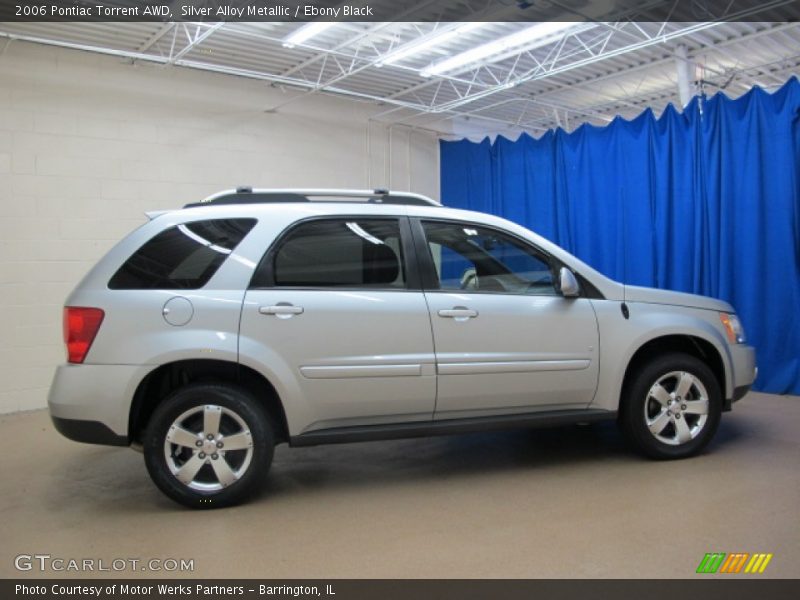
[80, 328]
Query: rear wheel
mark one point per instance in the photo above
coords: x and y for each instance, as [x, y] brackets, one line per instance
[672, 407]
[208, 445]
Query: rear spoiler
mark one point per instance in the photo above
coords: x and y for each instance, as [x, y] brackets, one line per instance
[154, 214]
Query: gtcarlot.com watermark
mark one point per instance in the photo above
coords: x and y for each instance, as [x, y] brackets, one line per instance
[45, 563]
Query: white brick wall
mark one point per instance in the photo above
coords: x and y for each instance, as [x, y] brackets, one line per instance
[88, 143]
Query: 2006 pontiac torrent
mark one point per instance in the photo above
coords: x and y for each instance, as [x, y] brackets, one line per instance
[256, 317]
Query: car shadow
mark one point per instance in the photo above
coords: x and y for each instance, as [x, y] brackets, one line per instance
[457, 457]
[117, 480]
[399, 462]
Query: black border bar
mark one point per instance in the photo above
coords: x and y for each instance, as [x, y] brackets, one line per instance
[712, 588]
[398, 10]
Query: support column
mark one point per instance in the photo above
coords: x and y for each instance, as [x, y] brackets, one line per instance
[684, 68]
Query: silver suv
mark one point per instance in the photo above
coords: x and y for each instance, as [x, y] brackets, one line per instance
[256, 317]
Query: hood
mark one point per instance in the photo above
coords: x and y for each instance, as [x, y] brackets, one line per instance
[653, 296]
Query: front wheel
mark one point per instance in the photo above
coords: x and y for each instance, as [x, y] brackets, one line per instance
[208, 445]
[672, 407]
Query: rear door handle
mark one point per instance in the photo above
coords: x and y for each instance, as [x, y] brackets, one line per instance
[281, 310]
[460, 313]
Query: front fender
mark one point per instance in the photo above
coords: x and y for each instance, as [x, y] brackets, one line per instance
[621, 338]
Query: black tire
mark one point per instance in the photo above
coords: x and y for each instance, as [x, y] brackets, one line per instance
[640, 407]
[244, 469]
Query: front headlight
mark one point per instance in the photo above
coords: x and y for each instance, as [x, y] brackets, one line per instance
[733, 328]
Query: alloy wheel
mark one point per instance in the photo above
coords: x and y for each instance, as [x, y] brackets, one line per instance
[676, 408]
[208, 448]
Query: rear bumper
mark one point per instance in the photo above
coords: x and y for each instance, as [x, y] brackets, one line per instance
[91, 403]
[88, 432]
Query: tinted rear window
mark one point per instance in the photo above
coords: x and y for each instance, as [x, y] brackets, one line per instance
[354, 252]
[182, 257]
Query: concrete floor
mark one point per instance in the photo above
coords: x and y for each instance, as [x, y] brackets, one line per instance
[570, 502]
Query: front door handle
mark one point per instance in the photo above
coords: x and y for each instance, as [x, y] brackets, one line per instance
[459, 313]
[281, 310]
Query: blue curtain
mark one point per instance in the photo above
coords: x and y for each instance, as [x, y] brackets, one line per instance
[704, 201]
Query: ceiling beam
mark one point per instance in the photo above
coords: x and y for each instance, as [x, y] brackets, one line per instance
[165, 29]
[369, 32]
[648, 66]
[526, 94]
[195, 41]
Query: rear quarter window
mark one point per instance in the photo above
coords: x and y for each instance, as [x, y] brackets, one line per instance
[184, 257]
[351, 252]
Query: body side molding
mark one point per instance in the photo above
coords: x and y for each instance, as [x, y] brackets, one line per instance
[367, 433]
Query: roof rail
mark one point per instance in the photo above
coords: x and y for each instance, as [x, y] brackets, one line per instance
[248, 195]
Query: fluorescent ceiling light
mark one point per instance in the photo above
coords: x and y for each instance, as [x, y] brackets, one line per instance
[306, 32]
[541, 32]
[426, 43]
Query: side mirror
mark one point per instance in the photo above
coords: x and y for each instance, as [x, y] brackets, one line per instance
[568, 284]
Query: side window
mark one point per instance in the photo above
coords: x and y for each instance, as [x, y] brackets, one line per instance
[349, 252]
[476, 259]
[182, 257]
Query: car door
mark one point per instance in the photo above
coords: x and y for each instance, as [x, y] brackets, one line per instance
[506, 340]
[336, 307]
